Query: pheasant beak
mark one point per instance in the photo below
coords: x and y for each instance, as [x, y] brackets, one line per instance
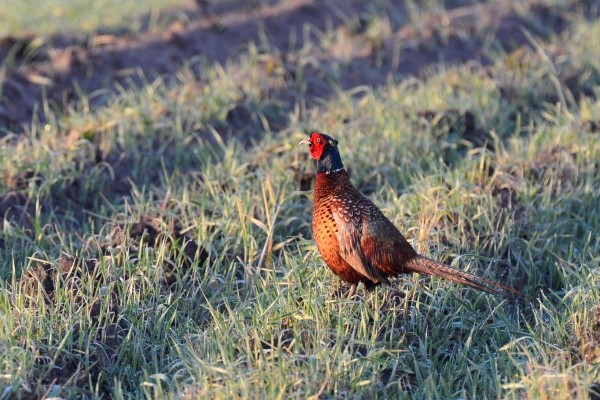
[306, 141]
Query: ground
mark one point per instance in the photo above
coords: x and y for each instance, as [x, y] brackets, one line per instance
[61, 68]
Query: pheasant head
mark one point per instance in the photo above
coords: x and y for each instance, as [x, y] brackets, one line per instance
[324, 149]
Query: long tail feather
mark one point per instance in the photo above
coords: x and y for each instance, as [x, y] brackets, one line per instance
[424, 265]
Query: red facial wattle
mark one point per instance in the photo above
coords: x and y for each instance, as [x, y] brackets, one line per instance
[317, 145]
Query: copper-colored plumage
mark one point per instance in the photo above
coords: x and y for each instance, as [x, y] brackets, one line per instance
[357, 241]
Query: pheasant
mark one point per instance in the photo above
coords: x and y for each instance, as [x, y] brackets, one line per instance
[358, 243]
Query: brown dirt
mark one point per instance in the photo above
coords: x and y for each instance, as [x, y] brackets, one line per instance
[16, 207]
[218, 31]
[591, 351]
[151, 230]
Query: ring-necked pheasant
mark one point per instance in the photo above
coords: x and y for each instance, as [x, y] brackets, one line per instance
[357, 241]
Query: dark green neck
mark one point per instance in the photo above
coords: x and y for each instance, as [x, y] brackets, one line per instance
[330, 161]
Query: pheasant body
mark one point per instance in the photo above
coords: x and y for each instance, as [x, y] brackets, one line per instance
[357, 242]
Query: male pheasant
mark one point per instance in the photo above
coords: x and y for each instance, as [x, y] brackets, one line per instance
[357, 241]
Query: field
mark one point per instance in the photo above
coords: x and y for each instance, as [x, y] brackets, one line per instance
[156, 206]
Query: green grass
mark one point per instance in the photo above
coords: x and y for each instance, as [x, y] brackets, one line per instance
[196, 275]
[77, 16]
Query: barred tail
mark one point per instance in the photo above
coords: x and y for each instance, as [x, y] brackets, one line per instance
[424, 265]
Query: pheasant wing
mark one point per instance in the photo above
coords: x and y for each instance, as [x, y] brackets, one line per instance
[382, 243]
[349, 222]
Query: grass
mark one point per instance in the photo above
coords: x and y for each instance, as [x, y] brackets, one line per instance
[79, 17]
[158, 260]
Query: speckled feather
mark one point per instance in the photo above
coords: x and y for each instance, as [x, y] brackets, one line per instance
[348, 229]
[360, 244]
[357, 242]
